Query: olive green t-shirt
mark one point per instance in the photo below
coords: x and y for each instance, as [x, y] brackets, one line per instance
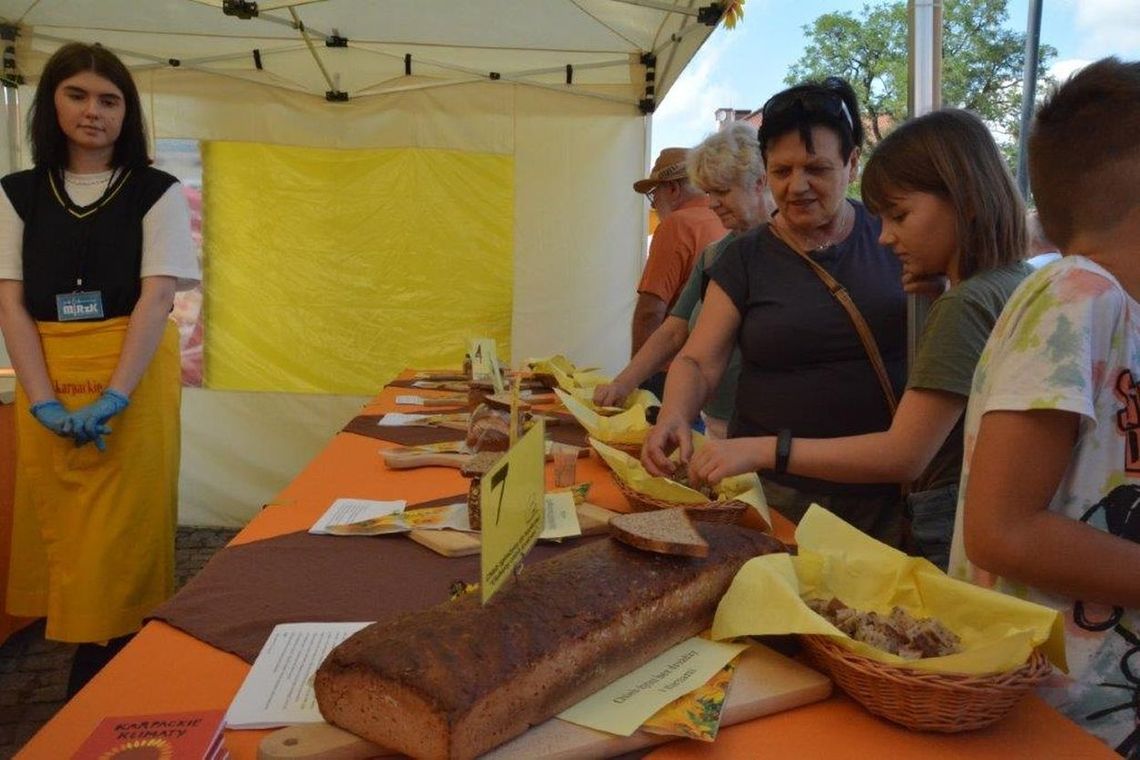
[957, 328]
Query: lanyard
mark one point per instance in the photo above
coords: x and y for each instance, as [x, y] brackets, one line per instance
[114, 183]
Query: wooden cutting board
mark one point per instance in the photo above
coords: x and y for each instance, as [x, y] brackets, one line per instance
[453, 543]
[765, 682]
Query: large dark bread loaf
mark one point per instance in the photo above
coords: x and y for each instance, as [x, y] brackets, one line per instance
[458, 679]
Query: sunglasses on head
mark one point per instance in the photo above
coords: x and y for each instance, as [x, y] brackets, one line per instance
[808, 102]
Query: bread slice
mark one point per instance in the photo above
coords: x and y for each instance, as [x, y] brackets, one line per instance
[665, 531]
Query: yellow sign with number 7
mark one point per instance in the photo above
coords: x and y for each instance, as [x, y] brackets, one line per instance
[512, 495]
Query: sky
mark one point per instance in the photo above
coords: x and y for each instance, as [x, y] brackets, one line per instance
[742, 67]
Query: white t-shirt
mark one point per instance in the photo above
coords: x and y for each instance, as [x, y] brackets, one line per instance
[1069, 339]
[168, 247]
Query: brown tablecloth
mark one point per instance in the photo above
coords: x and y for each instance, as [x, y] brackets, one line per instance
[245, 590]
[405, 435]
[567, 431]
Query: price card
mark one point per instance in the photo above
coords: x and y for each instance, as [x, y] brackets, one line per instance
[485, 362]
[511, 509]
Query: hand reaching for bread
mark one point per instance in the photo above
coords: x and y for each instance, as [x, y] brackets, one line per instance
[717, 460]
[611, 394]
[669, 434]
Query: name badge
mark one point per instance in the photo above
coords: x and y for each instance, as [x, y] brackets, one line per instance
[83, 305]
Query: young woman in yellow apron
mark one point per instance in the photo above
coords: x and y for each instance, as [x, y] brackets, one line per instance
[93, 245]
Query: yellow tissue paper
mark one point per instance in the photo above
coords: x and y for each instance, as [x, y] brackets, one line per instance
[998, 632]
[638, 478]
[580, 383]
[629, 427]
[641, 396]
[569, 378]
[550, 365]
[589, 378]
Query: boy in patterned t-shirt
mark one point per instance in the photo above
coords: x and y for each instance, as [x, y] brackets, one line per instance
[1050, 496]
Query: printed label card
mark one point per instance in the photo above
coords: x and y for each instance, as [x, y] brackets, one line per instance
[624, 705]
[485, 363]
[344, 511]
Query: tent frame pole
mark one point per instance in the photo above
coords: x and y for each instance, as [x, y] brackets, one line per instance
[924, 94]
[1028, 94]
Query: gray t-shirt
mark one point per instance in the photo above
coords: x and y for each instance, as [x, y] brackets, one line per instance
[957, 328]
[688, 307]
[803, 366]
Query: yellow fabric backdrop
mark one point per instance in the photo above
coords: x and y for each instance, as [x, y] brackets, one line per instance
[328, 271]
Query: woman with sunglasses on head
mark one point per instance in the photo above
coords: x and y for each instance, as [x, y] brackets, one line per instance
[949, 207]
[93, 245]
[805, 368]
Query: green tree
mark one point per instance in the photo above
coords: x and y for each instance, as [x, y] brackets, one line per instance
[982, 61]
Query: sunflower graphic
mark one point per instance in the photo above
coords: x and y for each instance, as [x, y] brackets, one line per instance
[140, 749]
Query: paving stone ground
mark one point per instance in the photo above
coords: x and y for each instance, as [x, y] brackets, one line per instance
[33, 671]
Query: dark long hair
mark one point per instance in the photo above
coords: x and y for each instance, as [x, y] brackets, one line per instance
[831, 103]
[950, 153]
[49, 143]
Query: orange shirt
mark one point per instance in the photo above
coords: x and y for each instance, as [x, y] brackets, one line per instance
[678, 239]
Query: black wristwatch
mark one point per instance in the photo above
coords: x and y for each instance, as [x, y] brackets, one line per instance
[783, 449]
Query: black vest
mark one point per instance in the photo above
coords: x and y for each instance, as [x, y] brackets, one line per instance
[101, 243]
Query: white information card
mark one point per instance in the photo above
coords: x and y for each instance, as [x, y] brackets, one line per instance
[278, 691]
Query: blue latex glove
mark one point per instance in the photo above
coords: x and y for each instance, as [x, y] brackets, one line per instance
[89, 424]
[52, 415]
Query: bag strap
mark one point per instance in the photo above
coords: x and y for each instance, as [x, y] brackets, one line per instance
[865, 335]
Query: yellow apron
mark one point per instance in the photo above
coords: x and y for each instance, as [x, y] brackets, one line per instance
[93, 532]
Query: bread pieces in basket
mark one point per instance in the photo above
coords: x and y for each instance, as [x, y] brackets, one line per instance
[1007, 644]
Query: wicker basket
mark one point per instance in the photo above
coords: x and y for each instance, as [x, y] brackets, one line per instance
[921, 700]
[641, 502]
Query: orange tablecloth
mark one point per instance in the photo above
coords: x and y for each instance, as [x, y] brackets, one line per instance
[165, 670]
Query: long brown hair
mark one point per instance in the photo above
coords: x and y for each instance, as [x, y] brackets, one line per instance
[49, 143]
[950, 153]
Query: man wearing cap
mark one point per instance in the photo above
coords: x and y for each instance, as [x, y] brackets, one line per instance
[687, 225]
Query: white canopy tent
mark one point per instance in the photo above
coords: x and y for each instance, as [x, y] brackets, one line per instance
[564, 86]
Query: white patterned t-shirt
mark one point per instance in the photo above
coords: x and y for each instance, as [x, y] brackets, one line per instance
[1069, 339]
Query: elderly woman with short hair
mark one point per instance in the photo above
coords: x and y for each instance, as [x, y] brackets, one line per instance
[728, 167]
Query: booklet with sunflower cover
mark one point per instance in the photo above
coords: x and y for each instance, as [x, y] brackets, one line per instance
[195, 735]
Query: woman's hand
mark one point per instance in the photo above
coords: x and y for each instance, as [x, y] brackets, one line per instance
[717, 460]
[53, 416]
[89, 424]
[668, 434]
[611, 394]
